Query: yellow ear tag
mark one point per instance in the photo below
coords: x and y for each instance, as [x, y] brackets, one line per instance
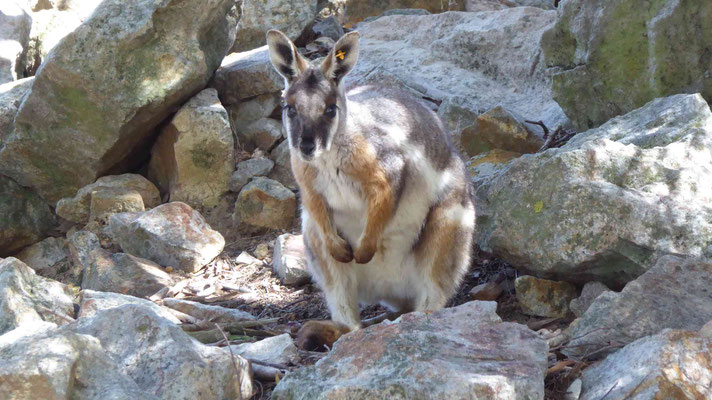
[340, 54]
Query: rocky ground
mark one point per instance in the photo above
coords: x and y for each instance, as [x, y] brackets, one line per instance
[149, 230]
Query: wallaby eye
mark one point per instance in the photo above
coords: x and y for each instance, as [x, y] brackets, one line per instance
[291, 111]
[331, 111]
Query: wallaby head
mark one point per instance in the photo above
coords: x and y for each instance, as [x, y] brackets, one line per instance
[314, 105]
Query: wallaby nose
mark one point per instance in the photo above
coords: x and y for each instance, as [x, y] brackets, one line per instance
[307, 146]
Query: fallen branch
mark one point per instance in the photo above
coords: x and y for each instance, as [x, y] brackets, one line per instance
[234, 362]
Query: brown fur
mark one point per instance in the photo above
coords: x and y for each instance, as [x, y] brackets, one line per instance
[365, 168]
[320, 335]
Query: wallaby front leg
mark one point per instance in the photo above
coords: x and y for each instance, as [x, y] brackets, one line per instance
[319, 211]
[379, 198]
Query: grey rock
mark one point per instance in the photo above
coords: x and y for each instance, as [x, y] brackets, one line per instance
[207, 312]
[615, 56]
[273, 350]
[282, 171]
[610, 202]
[329, 27]
[171, 234]
[25, 217]
[28, 298]
[105, 87]
[123, 273]
[356, 11]
[247, 170]
[106, 203]
[261, 134]
[93, 302]
[11, 96]
[162, 359]
[673, 364]
[15, 25]
[246, 112]
[77, 209]
[461, 352]
[589, 293]
[48, 257]
[264, 203]
[245, 75]
[63, 365]
[474, 61]
[674, 294]
[289, 261]
[258, 16]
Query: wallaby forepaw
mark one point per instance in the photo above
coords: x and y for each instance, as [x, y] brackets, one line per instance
[320, 335]
[364, 254]
[342, 252]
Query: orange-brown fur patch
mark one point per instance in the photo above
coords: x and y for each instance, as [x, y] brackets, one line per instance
[318, 335]
[437, 242]
[363, 166]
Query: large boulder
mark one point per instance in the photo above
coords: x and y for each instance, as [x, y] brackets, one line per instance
[163, 360]
[28, 298]
[674, 364]
[93, 302]
[461, 352]
[24, 217]
[172, 235]
[610, 202]
[356, 11]
[108, 84]
[15, 25]
[258, 16]
[124, 273]
[49, 257]
[194, 156]
[674, 294]
[616, 55]
[77, 209]
[472, 62]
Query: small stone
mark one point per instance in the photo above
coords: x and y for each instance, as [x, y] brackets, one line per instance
[489, 291]
[105, 203]
[169, 269]
[589, 293]
[171, 234]
[264, 203]
[262, 251]
[706, 330]
[289, 261]
[261, 134]
[501, 129]
[544, 298]
[124, 273]
[247, 170]
[274, 350]
[77, 209]
[247, 259]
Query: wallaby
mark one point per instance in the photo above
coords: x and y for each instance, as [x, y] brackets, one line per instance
[387, 210]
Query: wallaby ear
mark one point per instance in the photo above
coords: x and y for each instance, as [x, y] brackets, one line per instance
[284, 56]
[342, 58]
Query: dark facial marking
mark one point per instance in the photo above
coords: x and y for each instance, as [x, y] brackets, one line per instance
[286, 71]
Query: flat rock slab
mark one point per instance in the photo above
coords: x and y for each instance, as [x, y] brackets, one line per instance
[673, 364]
[465, 352]
[675, 294]
[93, 302]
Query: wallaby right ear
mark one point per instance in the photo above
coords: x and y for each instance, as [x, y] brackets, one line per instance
[284, 56]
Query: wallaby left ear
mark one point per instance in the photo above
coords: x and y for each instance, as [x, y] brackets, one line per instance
[342, 58]
[284, 56]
